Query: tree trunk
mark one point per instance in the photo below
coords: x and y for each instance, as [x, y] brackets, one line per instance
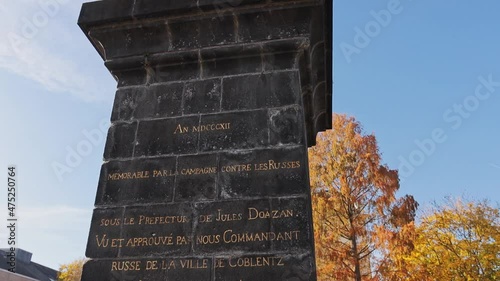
[357, 268]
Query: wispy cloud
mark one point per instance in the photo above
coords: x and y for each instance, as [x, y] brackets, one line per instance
[55, 234]
[28, 48]
[53, 221]
[494, 166]
[53, 73]
[45, 217]
[3, 8]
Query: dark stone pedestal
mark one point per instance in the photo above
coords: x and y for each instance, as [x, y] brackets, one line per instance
[206, 174]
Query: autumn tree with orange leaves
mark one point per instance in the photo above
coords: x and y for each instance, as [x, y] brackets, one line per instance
[357, 218]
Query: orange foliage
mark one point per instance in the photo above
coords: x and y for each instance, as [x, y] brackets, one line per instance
[357, 217]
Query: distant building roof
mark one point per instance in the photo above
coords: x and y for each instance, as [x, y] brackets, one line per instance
[6, 275]
[24, 266]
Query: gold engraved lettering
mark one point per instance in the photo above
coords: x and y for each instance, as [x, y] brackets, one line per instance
[129, 221]
[168, 265]
[129, 175]
[208, 239]
[151, 265]
[254, 213]
[230, 238]
[183, 240]
[212, 127]
[116, 243]
[273, 165]
[162, 220]
[205, 218]
[126, 266]
[256, 262]
[228, 217]
[163, 173]
[110, 222]
[102, 242]
[181, 130]
[150, 241]
[220, 263]
[194, 264]
[237, 168]
[199, 171]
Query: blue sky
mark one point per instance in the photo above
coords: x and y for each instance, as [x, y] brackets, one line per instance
[419, 73]
[402, 85]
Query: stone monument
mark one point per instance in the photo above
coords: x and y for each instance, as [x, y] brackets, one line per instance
[206, 174]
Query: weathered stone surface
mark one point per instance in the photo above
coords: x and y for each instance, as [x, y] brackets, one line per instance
[204, 228]
[247, 267]
[197, 178]
[252, 226]
[105, 223]
[270, 172]
[167, 136]
[202, 96]
[121, 140]
[261, 91]
[206, 172]
[161, 268]
[265, 267]
[137, 181]
[286, 126]
[155, 101]
[242, 130]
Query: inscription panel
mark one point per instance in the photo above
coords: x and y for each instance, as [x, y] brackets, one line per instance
[209, 227]
[141, 231]
[270, 172]
[205, 133]
[106, 223]
[197, 178]
[252, 226]
[149, 269]
[158, 230]
[206, 175]
[201, 177]
[138, 181]
[265, 267]
[224, 268]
